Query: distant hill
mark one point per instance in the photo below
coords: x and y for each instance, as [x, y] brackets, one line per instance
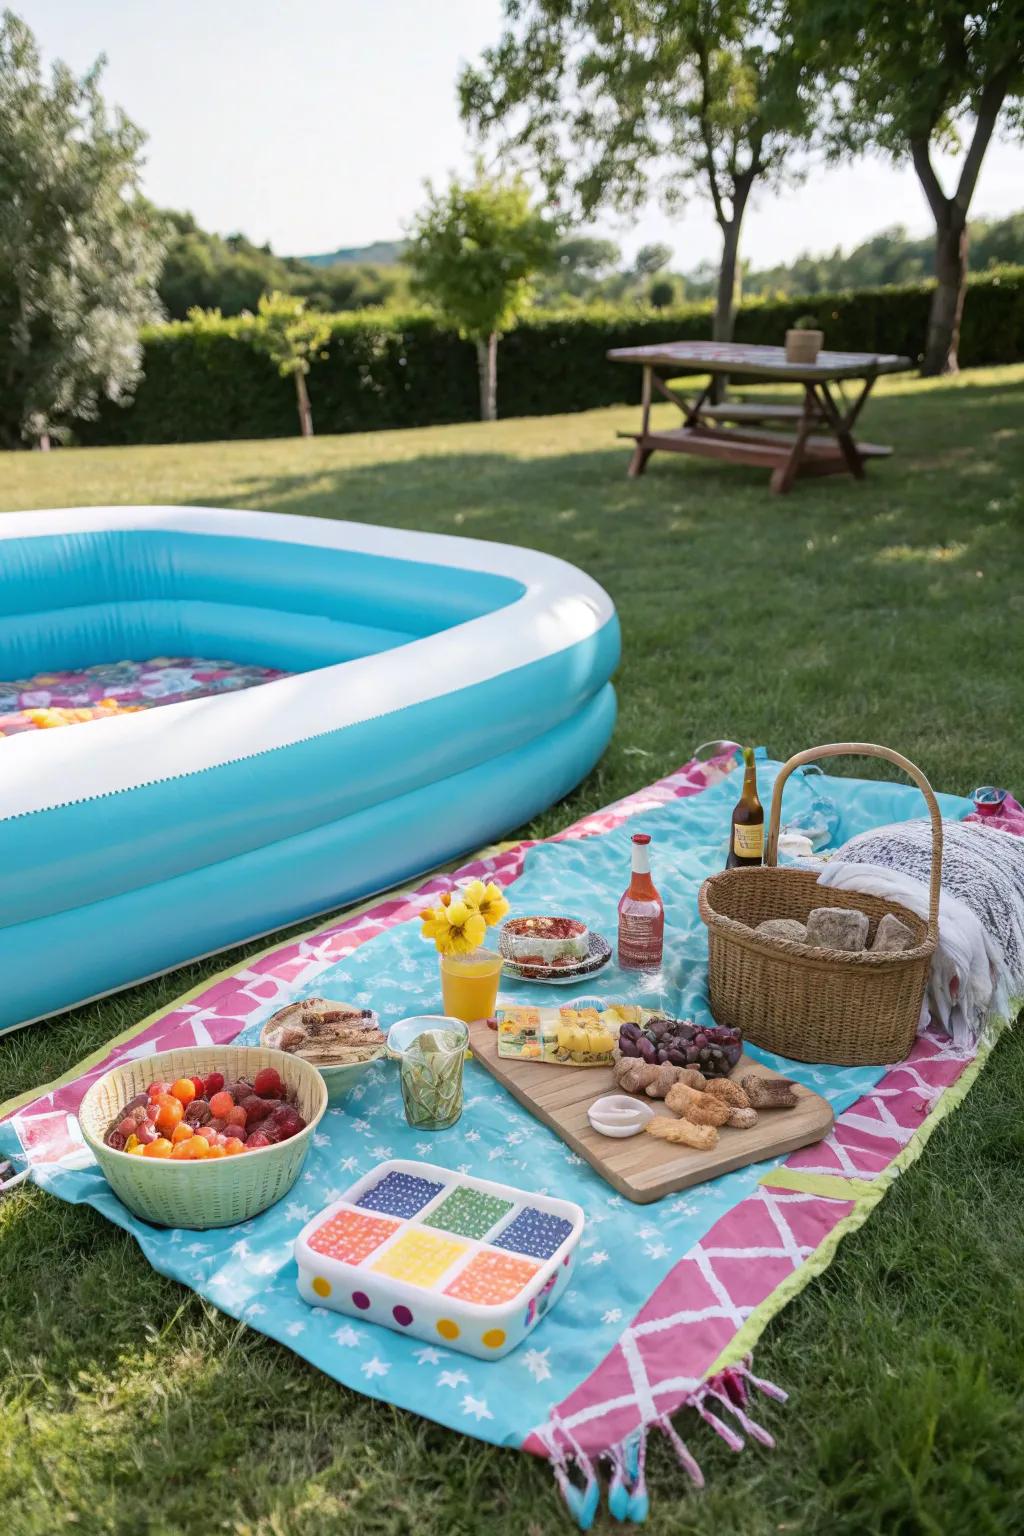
[382, 253]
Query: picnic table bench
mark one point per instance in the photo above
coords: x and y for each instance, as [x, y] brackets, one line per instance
[822, 442]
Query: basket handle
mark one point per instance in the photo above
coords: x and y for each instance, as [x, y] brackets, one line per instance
[866, 749]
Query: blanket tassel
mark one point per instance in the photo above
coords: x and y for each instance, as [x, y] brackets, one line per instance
[582, 1503]
[627, 1488]
[627, 1484]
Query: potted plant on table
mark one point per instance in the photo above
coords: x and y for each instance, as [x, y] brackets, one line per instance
[803, 340]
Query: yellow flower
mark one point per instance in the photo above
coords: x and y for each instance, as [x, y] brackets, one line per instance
[456, 929]
[466, 928]
[488, 900]
[435, 922]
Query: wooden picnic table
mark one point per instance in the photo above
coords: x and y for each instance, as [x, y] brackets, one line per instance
[820, 440]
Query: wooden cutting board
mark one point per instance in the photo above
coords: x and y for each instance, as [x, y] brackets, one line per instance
[641, 1167]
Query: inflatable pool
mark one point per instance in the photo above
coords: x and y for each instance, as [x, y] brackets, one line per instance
[439, 692]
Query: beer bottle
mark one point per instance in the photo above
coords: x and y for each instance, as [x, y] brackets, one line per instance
[746, 836]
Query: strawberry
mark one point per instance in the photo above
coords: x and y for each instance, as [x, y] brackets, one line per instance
[268, 1084]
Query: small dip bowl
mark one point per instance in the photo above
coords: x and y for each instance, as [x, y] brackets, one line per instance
[617, 1114]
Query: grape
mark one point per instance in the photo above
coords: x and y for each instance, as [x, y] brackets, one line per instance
[714, 1049]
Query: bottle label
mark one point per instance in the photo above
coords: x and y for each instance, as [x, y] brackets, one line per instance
[748, 840]
[641, 942]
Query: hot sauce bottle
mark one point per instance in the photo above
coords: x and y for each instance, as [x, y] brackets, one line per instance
[641, 914]
[746, 835]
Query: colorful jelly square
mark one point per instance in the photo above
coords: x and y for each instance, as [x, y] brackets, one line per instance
[492, 1278]
[468, 1212]
[419, 1258]
[349, 1237]
[399, 1194]
[535, 1232]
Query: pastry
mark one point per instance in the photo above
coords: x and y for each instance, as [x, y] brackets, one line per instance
[782, 928]
[324, 1033]
[742, 1119]
[837, 928]
[683, 1133]
[769, 1092]
[729, 1092]
[892, 935]
[697, 1107]
[544, 941]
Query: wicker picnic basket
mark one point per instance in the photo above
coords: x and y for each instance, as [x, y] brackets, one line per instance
[812, 1004]
[201, 1194]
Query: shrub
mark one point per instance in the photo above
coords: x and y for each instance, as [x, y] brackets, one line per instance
[383, 369]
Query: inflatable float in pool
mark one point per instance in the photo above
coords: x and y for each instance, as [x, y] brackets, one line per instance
[440, 692]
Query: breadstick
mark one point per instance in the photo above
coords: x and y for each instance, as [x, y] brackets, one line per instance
[729, 1092]
[683, 1133]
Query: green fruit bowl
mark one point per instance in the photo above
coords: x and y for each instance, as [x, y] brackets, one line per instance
[199, 1195]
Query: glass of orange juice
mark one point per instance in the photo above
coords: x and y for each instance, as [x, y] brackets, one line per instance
[469, 984]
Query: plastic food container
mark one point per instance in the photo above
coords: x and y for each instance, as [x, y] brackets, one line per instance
[456, 1261]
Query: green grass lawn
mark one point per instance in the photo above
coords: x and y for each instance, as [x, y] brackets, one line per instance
[891, 611]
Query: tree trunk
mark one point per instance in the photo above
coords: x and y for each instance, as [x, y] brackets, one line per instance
[724, 322]
[43, 442]
[950, 214]
[302, 400]
[487, 365]
[943, 340]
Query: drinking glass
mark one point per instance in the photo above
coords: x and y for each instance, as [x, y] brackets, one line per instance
[469, 984]
[430, 1049]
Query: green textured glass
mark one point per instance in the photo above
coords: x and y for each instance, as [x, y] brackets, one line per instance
[431, 1052]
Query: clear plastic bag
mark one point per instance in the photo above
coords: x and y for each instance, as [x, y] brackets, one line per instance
[817, 818]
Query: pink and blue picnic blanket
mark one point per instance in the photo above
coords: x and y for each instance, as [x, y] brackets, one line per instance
[632, 1343]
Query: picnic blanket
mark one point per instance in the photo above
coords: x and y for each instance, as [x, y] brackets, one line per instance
[628, 1345]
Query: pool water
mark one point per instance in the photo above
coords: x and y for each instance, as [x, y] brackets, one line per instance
[52, 699]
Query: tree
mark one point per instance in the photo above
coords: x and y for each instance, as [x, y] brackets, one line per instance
[580, 263]
[914, 77]
[651, 259]
[79, 251]
[710, 96]
[474, 251]
[291, 337]
[210, 272]
[663, 292]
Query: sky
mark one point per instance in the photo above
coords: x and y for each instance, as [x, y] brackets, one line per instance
[314, 125]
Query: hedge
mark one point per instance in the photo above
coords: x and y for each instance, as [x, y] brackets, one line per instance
[384, 370]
